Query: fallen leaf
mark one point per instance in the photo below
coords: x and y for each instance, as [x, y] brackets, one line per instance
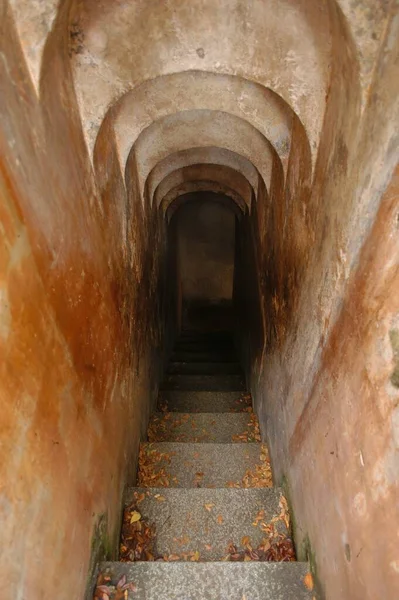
[245, 540]
[139, 497]
[220, 519]
[135, 516]
[195, 556]
[308, 581]
[209, 507]
[160, 498]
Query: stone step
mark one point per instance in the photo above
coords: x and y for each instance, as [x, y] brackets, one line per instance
[217, 344]
[210, 356]
[203, 427]
[193, 345]
[205, 368]
[204, 382]
[205, 465]
[207, 521]
[202, 401]
[206, 340]
[205, 335]
[212, 581]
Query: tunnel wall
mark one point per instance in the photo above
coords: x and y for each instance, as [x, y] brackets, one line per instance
[78, 372]
[329, 297]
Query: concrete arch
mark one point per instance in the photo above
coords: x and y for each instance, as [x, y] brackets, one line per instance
[196, 90]
[188, 187]
[124, 47]
[208, 155]
[194, 196]
[202, 128]
[216, 173]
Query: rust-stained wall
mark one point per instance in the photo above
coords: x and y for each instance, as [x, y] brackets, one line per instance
[345, 446]
[74, 398]
[323, 379]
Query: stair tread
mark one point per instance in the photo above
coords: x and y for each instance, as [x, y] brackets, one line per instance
[207, 520]
[204, 382]
[205, 343]
[212, 581]
[206, 368]
[203, 401]
[210, 465]
[198, 356]
[201, 345]
[203, 427]
[205, 335]
[217, 496]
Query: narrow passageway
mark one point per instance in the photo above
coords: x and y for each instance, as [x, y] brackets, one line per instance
[198, 207]
[205, 497]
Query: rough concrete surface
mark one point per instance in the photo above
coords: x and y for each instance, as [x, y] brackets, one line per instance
[204, 367]
[207, 357]
[213, 581]
[200, 401]
[207, 465]
[207, 520]
[202, 427]
[204, 382]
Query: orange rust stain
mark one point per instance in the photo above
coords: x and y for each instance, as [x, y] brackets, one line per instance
[373, 291]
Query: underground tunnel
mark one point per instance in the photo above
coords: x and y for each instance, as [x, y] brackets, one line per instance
[199, 299]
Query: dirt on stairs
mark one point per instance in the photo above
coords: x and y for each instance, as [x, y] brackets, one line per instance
[205, 522]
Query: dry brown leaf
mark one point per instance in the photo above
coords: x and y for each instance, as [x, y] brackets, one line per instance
[160, 498]
[209, 506]
[308, 581]
[139, 497]
[135, 516]
[173, 557]
[220, 519]
[259, 517]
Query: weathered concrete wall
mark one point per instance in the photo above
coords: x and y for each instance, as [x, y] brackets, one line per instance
[345, 446]
[74, 400]
[322, 382]
[205, 231]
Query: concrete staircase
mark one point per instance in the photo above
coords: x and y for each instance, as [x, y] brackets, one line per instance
[205, 522]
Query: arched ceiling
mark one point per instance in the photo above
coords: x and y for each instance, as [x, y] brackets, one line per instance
[204, 156]
[194, 196]
[34, 20]
[197, 90]
[198, 129]
[284, 45]
[188, 187]
[185, 90]
[218, 83]
[214, 173]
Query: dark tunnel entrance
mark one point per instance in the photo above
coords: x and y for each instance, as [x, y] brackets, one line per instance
[205, 229]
